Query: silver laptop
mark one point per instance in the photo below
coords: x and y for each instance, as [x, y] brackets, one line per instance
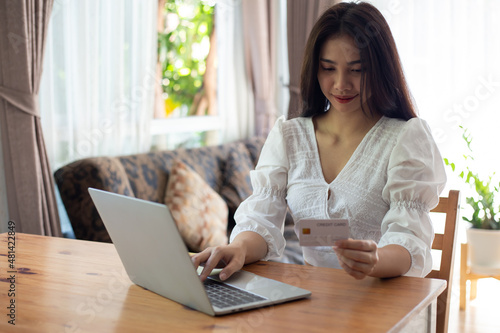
[156, 258]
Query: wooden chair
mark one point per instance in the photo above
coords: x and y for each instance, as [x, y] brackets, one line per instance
[446, 243]
[467, 275]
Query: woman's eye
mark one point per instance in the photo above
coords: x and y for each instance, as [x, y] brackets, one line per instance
[356, 70]
[327, 68]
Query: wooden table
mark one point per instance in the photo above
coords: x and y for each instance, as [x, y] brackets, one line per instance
[65, 285]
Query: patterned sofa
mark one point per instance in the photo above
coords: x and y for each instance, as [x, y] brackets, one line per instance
[145, 176]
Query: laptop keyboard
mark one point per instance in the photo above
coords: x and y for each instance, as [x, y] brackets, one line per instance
[222, 295]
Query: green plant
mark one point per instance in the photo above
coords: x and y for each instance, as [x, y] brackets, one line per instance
[183, 48]
[483, 203]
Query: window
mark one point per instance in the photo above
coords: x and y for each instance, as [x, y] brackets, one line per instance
[188, 74]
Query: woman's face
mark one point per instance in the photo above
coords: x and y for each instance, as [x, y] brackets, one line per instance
[339, 73]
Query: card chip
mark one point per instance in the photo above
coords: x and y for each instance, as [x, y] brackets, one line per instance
[306, 231]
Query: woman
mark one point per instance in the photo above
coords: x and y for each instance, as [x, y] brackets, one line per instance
[357, 152]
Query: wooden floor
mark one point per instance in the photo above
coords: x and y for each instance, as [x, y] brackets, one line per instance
[481, 315]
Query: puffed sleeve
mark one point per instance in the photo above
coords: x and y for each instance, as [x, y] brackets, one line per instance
[265, 210]
[416, 177]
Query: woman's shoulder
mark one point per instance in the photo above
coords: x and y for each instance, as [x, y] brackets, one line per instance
[295, 124]
[417, 126]
[290, 130]
[296, 120]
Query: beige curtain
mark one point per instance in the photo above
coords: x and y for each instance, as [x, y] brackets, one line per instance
[30, 187]
[259, 26]
[301, 16]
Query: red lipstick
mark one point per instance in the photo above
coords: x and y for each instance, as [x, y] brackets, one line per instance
[344, 99]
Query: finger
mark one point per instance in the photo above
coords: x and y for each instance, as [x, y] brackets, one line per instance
[357, 265]
[230, 269]
[349, 270]
[234, 262]
[200, 258]
[209, 259]
[364, 267]
[358, 255]
[356, 244]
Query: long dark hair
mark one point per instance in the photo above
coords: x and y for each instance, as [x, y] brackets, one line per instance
[382, 71]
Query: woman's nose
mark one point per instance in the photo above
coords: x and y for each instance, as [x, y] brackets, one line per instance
[341, 83]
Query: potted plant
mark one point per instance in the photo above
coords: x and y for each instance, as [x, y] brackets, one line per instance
[483, 234]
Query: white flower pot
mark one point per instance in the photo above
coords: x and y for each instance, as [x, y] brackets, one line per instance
[484, 251]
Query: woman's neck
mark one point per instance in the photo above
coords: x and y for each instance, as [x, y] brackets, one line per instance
[345, 125]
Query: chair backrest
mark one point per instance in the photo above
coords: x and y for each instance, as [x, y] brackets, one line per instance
[446, 243]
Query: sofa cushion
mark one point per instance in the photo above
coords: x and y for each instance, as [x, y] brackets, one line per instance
[254, 146]
[148, 173]
[237, 185]
[199, 212]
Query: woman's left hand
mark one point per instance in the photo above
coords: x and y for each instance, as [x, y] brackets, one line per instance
[357, 257]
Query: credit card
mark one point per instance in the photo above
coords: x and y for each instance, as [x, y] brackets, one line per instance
[322, 232]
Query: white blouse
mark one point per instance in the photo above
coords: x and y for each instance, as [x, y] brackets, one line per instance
[385, 190]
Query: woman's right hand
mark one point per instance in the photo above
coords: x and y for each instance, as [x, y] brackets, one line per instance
[246, 247]
[230, 258]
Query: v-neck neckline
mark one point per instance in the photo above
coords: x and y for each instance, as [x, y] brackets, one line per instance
[351, 158]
